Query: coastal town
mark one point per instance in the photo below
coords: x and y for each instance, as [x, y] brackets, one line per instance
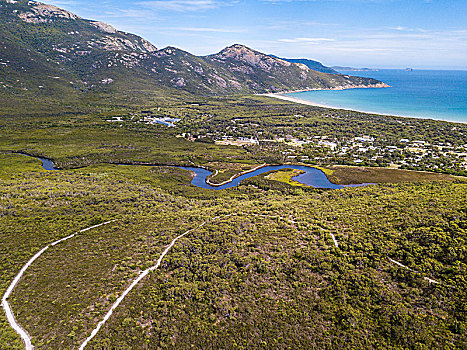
[310, 144]
[363, 150]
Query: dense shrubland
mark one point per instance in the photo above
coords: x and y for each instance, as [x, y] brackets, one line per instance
[266, 274]
[268, 282]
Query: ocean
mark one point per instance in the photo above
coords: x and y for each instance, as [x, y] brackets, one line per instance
[431, 94]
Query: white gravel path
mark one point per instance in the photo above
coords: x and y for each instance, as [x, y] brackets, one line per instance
[6, 306]
[408, 268]
[334, 240]
[138, 279]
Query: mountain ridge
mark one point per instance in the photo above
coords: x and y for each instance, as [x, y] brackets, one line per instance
[312, 64]
[65, 52]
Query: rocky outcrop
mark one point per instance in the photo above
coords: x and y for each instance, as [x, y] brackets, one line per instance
[241, 53]
[112, 43]
[104, 27]
[42, 13]
[95, 54]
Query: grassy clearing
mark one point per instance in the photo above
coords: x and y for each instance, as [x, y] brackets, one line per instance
[286, 176]
[345, 175]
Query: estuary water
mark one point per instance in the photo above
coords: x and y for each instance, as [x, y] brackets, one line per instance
[311, 176]
[430, 94]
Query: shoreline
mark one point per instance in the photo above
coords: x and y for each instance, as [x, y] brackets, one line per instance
[282, 96]
[233, 177]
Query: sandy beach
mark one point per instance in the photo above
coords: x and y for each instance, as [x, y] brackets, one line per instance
[284, 96]
[297, 100]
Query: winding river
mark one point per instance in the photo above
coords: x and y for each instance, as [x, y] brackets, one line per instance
[311, 177]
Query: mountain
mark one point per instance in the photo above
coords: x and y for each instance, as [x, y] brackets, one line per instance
[315, 65]
[48, 50]
[265, 73]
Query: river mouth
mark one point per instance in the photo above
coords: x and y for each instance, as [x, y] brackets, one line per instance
[312, 177]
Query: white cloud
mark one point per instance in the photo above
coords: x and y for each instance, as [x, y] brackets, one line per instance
[212, 30]
[181, 5]
[305, 40]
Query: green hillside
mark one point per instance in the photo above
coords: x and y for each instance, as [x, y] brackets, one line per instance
[46, 50]
[314, 65]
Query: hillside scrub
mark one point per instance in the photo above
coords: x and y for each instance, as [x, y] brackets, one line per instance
[266, 274]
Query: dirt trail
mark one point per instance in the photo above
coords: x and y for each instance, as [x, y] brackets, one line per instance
[137, 280]
[408, 268]
[6, 306]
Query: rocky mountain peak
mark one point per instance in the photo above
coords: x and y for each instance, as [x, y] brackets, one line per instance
[42, 13]
[242, 53]
[169, 51]
[104, 27]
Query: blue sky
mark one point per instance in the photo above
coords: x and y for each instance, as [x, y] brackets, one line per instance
[363, 33]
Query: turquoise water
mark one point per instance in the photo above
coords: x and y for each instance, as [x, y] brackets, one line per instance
[432, 94]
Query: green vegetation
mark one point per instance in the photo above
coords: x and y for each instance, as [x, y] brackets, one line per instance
[269, 283]
[39, 207]
[267, 276]
[286, 176]
[346, 175]
[266, 273]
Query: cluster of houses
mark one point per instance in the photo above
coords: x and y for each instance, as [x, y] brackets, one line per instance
[149, 119]
[363, 149]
